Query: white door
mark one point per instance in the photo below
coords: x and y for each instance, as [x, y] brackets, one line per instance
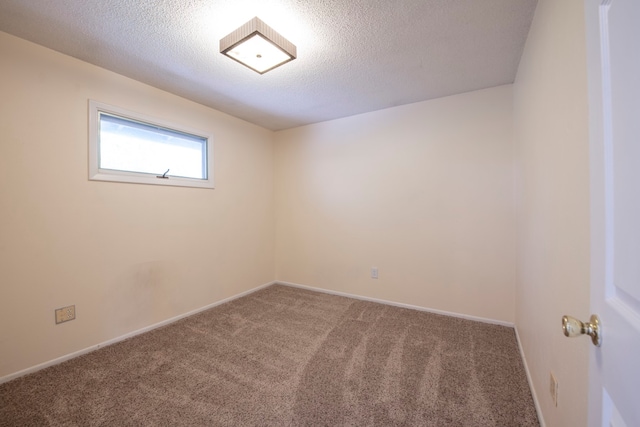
[613, 47]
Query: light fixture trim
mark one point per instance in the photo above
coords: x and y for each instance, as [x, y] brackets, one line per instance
[231, 46]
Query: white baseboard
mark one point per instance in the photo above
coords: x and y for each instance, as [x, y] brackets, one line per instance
[533, 391]
[250, 291]
[126, 336]
[398, 304]
[446, 313]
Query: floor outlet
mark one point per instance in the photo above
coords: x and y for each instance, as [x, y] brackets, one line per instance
[553, 389]
[374, 272]
[65, 314]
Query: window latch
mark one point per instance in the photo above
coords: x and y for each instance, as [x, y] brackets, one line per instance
[164, 175]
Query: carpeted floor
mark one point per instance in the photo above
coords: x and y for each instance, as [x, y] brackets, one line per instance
[288, 357]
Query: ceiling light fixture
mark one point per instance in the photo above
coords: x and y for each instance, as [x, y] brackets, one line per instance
[258, 46]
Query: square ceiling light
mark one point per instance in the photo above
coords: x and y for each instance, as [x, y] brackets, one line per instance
[258, 46]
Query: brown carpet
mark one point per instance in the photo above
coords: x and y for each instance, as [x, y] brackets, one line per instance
[288, 357]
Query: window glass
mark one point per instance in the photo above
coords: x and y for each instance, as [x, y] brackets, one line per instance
[132, 146]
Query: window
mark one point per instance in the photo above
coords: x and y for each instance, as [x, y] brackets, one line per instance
[128, 147]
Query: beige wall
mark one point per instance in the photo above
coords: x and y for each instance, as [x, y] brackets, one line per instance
[126, 255]
[550, 108]
[424, 192]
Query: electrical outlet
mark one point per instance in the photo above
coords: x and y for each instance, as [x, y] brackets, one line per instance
[553, 388]
[374, 272]
[65, 314]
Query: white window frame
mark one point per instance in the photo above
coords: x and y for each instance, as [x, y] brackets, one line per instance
[98, 174]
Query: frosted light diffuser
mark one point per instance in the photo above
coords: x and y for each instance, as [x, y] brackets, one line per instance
[258, 46]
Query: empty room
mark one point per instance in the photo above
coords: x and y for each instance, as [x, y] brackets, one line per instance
[285, 213]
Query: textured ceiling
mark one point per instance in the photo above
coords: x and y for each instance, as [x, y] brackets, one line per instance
[354, 56]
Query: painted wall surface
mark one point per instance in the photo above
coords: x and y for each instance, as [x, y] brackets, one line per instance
[551, 128]
[126, 255]
[424, 192]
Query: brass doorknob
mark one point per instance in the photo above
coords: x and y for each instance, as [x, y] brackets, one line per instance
[572, 328]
